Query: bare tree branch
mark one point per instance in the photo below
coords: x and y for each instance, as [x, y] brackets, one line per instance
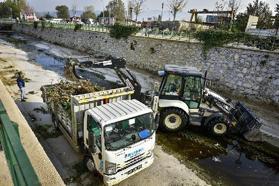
[137, 6]
[176, 6]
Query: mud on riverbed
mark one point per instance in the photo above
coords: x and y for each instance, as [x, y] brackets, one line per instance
[225, 161]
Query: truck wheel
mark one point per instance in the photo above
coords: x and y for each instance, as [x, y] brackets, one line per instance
[173, 120]
[89, 164]
[217, 126]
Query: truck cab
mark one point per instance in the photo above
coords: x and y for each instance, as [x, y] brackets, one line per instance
[119, 138]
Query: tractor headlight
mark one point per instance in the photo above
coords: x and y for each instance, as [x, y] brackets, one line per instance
[110, 167]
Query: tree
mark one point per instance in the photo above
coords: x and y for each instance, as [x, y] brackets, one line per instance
[257, 8]
[28, 10]
[88, 13]
[5, 10]
[234, 5]
[11, 8]
[220, 5]
[276, 22]
[176, 6]
[262, 10]
[241, 22]
[116, 9]
[137, 6]
[103, 14]
[62, 11]
[48, 16]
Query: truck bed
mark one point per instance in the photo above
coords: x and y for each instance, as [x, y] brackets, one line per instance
[71, 118]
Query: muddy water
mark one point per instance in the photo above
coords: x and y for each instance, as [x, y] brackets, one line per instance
[220, 161]
[224, 161]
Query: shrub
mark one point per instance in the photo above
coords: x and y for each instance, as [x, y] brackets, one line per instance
[35, 24]
[77, 27]
[122, 31]
[218, 38]
[43, 23]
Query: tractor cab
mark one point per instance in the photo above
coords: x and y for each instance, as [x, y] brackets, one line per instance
[180, 97]
[181, 83]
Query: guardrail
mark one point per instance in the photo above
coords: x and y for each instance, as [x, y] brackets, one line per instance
[20, 167]
[264, 32]
[151, 33]
[7, 21]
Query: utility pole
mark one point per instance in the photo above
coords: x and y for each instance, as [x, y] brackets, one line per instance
[75, 8]
[162, 11]
[103, 13]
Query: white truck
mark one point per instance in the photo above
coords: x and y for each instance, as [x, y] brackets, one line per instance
[116, 133]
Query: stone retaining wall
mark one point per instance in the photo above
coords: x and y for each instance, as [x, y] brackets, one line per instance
[242, 72]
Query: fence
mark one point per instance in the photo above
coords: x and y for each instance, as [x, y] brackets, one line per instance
[263, 32]
[21, 169]
[263, 43]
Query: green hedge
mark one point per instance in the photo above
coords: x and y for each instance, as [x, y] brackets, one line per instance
[77, 27]
[35, 24]
[218, 38]
[122, 31]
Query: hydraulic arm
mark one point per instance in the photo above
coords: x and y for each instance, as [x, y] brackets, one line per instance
[117, 64]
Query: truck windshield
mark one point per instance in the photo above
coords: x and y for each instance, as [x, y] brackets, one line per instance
[124, 133]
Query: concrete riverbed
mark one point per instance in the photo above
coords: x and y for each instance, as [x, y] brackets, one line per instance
[191, 157]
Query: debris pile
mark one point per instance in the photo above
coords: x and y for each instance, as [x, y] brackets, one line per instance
[60, 93]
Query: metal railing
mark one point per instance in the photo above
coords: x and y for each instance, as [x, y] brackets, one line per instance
[7, 21]
[96, 28]
[186, 35]
[20, 167]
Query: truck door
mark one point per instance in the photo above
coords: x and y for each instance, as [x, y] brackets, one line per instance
[95, 128]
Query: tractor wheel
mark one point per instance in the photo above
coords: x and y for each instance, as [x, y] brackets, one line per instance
[173, 120]
[217, 126]
[89, 163]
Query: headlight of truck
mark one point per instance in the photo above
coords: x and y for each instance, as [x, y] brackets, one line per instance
[110, 167]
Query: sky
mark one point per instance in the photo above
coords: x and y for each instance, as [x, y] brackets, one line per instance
[150, 7]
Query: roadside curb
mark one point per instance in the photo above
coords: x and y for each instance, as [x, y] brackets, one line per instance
[42, 165]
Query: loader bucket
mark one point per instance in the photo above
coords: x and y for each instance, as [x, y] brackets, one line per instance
[247, 123]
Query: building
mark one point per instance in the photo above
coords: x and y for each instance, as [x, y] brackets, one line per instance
[107, 20]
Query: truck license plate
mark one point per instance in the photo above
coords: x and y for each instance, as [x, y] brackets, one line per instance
[134, 169]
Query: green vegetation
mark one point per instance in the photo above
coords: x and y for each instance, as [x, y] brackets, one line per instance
[35, 24]
[122, 31]
[88, 13]
[48, 16]
[257, 8]
[117, 10]
[77, 27]
[11, 8]
[43, 23]
[62, 11]
[218, 38]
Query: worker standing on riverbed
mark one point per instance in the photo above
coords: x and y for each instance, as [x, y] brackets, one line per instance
[21, 85]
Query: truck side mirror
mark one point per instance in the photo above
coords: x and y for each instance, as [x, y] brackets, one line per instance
[92, 142]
